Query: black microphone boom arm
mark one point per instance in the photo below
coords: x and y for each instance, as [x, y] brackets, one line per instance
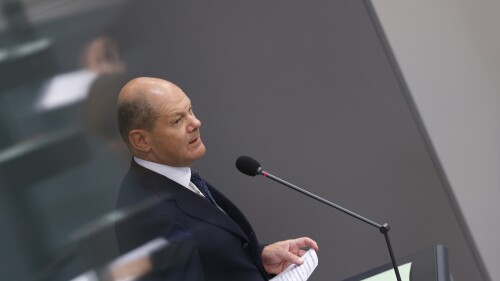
[384, 228]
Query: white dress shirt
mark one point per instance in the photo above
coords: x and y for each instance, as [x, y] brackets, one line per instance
[181, 175]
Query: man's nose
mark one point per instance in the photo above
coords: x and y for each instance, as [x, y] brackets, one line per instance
[194, 123]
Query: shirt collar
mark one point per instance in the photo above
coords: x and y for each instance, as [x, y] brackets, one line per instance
[181, 175]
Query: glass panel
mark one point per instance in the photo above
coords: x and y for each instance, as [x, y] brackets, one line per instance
[61, 157]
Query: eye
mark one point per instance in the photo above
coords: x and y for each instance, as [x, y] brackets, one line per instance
[177, 121]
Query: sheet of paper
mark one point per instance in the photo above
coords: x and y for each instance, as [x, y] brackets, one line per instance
[66, 89]
[299, 272]
[389, 275]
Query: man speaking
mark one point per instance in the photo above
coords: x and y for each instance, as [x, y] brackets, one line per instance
[157, 123]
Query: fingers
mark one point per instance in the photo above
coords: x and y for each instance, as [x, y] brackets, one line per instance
[295, 256]
[306, 242]
[289, 257]
[277, 256]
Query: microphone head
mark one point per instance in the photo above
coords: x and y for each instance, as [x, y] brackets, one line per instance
[248, 166]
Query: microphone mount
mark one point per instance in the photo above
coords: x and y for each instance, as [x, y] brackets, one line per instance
[383, 228]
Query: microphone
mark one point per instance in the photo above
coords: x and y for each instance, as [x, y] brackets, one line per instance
[251, 167]
[248, 166]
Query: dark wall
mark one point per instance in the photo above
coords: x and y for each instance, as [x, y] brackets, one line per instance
[305, 87]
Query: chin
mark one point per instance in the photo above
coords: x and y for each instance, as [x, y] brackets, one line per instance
[202, 152]
[199, 152]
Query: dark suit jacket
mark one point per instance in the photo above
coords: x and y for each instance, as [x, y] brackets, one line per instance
[214, 245]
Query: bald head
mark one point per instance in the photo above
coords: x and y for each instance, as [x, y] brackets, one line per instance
[156, 121]
[145, 87]
[136, 104]
[134, 108]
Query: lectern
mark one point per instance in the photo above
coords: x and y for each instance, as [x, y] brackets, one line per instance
[428, 265]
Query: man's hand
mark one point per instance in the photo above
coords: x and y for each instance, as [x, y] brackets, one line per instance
[276, 257]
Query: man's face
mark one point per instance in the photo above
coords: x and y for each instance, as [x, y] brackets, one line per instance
[175, 139]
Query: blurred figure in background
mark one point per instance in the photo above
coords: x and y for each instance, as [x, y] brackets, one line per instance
[102, 57]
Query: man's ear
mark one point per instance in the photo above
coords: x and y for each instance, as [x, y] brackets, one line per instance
[139, 140]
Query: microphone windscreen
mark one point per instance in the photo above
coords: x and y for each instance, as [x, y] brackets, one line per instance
[247, 165]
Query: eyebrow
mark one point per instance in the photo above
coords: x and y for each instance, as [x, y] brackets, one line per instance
[180, 113]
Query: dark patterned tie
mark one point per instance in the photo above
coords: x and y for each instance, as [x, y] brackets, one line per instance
[202, 186]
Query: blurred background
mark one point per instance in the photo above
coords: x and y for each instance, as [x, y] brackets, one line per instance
[387, 108]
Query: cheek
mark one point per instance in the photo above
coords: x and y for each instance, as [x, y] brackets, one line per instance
[200, 150]
[169, 139]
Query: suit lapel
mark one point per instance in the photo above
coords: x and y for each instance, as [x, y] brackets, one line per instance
[189, 202]
[201, 208]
